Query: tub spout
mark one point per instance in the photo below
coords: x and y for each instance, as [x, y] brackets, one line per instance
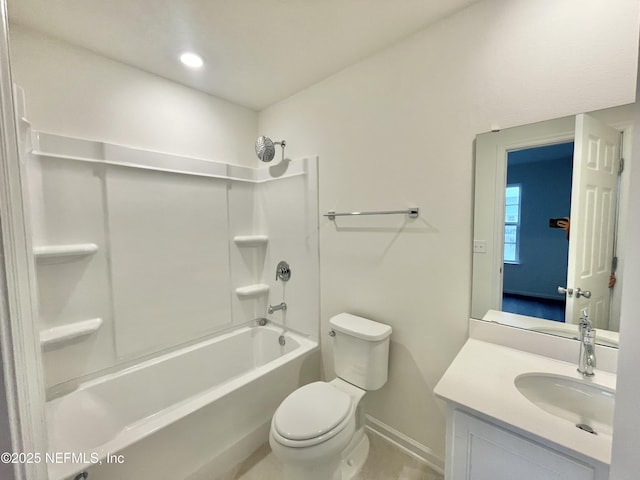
[275, 308]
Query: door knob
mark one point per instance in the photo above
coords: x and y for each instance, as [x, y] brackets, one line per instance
[579, 293]
[583, 293]
[567, 291]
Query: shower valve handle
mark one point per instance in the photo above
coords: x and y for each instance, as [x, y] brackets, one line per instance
[283, 271]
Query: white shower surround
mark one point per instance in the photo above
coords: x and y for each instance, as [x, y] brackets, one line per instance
[163, 227]
[177, 396]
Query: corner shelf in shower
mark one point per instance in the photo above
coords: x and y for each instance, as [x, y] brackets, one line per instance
[58, 336]
[250, 240]
[249, 291]
[58, 253]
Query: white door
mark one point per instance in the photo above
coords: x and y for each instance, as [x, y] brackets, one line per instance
[593, 208]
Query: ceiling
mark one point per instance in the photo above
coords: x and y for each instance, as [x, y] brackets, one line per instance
[256, 52]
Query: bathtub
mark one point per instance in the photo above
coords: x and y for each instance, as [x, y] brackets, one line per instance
[192, 405]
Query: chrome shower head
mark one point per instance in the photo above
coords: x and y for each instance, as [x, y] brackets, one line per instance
[265, 148]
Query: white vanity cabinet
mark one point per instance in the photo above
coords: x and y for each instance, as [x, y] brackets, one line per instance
[496, 432]
[481, 450]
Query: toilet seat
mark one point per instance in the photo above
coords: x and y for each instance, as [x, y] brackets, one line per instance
[311, 415]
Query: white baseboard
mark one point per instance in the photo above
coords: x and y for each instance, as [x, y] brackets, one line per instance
[406, 444]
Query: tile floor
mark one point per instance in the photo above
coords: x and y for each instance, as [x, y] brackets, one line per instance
[385, 462]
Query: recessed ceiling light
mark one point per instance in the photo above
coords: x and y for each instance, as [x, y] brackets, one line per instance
[191, 60]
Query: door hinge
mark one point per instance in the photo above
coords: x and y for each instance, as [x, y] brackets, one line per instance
[621, 147]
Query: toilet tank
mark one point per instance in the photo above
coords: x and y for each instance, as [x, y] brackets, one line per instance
[360, 350]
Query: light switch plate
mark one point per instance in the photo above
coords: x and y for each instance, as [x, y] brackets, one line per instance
[479, 246]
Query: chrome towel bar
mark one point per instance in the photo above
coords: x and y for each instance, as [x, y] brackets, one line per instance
[412, 212]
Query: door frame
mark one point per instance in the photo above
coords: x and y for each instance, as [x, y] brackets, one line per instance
[24, 410]
[490, 180]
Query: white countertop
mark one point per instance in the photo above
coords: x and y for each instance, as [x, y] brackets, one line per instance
[481, 378]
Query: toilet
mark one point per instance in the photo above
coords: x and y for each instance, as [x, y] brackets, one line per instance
[317, 432]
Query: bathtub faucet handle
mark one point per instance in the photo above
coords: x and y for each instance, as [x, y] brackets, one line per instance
[283, 271]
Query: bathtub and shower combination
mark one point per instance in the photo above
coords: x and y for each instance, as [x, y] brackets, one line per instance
[152, 389]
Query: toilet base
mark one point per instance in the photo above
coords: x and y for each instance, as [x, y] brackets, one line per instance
[355, 455]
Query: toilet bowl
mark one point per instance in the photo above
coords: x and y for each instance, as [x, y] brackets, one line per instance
[318, 430]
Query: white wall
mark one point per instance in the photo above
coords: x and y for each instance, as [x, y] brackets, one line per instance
[72, 91]
[397, 129]
[626, 442]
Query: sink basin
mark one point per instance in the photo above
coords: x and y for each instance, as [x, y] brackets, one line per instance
[581, 402]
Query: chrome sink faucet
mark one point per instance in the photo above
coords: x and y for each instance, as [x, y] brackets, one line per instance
[587, 337]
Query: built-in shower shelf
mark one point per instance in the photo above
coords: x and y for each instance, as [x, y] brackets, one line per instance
[252, 290]
[55, 253]
[250, 240]
[57, 336]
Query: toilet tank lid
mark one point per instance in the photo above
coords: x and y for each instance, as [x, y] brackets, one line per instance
[360, 327]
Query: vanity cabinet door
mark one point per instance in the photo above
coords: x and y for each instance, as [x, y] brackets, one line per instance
[478, 450]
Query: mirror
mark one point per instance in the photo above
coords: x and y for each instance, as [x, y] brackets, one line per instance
[543, 221]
